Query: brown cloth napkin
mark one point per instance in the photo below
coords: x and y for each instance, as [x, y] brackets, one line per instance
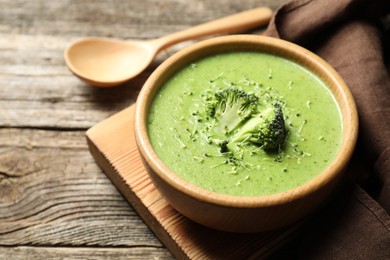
[347, 34]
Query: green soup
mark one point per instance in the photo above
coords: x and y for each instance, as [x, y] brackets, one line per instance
[312, 118]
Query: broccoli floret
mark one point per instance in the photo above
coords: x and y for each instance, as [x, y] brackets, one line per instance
[231, 107]
[266, 128]
[245, 119]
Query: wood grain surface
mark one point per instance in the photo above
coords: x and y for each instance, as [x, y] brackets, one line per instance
[55, 202]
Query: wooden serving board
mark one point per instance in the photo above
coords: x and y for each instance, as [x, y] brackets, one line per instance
[112, 144]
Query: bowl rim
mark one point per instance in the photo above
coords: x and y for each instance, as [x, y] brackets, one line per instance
[334, 169]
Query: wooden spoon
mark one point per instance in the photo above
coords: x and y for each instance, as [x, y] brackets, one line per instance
[108, 62]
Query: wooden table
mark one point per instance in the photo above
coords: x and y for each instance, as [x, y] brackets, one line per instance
[55, 202]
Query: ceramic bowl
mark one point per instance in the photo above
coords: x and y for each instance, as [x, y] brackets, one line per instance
[246, 214]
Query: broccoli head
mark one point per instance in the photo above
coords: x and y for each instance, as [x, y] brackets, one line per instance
[245, 119]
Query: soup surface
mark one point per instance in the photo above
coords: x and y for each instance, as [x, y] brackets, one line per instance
[311, 114]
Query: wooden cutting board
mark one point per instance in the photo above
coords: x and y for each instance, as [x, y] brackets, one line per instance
[112, 144]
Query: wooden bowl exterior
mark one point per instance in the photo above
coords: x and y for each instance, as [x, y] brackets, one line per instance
[246, 214]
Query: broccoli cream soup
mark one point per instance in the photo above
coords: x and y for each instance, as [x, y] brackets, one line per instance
[245, 124]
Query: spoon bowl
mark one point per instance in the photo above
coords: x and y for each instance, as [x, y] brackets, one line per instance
[105, 62]
[108, 62]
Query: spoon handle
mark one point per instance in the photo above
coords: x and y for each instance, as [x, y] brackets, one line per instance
[237, 22]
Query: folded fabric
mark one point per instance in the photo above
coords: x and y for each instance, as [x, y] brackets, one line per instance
[356, 225]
